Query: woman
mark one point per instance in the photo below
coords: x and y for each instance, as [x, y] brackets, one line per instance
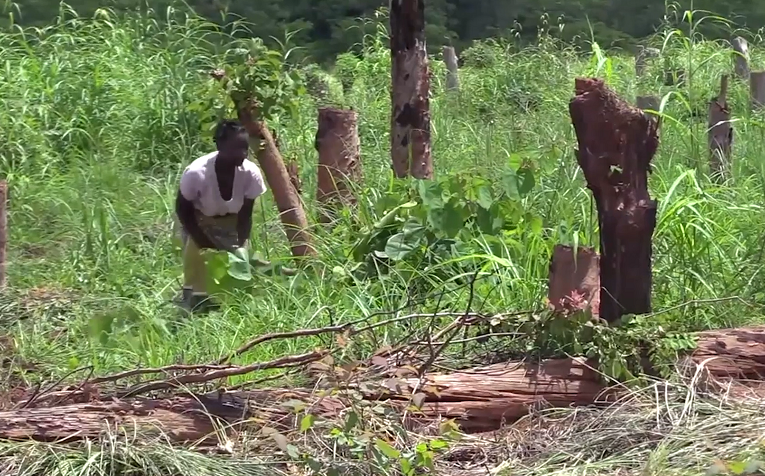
[214, 205]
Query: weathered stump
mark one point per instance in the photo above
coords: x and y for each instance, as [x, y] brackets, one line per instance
[574, 284]
[641, 59]
[337, 141]
[757, 89]
[652, 103]
[452, 70]
[616, 145]
[410, 116]
[720, 131]
[286, 197]
[740, 57]
[674, 77]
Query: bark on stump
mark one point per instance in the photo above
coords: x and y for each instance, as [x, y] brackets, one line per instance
[741, 57]
[720, 132]
[337, 141]
[278, 178]
[616, 145]
[653, 103]
[757, 89]
[452, 70]
[641, 59]
[410, 115]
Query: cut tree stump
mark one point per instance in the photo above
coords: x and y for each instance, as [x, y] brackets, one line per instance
[720, 132]
[616, 145]
[757, 90]
[452, 70]
[286, 197]
[337, 141]
[740, 57]
[410, 115]
[479, 400]
[641, 58]
[574, 281]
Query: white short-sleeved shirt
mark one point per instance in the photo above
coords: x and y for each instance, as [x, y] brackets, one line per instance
[199, 185]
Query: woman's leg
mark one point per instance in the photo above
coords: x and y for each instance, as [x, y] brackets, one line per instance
[194, 269]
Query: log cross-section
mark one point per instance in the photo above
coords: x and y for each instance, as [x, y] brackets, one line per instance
[410, 115]
[616, 145]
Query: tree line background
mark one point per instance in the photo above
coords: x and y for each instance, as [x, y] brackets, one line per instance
[326, 28]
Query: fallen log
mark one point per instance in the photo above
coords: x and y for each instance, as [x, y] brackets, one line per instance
[479, 399]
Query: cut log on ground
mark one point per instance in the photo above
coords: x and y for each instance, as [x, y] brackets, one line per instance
[616, 145]
[337, 142]
[479, 400]
[410, 115]
[286, 197]
[720, 132]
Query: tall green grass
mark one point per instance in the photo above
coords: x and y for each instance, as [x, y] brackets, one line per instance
[97, 127]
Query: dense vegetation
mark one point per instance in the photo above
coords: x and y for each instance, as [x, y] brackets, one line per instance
[99, 117]
[327, 29]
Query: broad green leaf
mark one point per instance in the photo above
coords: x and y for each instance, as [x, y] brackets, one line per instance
[307, 422]
[239, 265]
[447, 220]
[401, 245]
[484, 198]
[431, 193]
[387, 449]
[526, 180]
[510, 184]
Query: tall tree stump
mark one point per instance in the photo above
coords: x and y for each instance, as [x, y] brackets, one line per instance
[616, 145]
[740, 57]
[652, 103]
[410, 115]
[337, 141]
[641, 59]
[452, 70]
[720, 131]
[286, 197]
[757, 89]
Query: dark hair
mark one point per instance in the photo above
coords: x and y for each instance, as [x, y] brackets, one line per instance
[226, 129]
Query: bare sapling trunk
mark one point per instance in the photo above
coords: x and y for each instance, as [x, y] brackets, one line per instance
[452, 69]
[410, 116]
[650, 103]
[616, 145]
[287, 199]
[337, 141]
[757, 89]
[740, 57]
[574, 281]
[641, 59]
[720, 132]
[3, 231]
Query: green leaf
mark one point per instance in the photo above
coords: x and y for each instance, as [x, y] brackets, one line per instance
[447, 220]
[351, 421]
[387, 449]
[406, 467]
[438, 444]
[525, 177]
[239, 265]
[484, 198]
[401, 245]
[431, 193]
[510, 184]
[306, 422]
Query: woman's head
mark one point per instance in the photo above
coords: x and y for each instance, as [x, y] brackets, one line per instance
[232, 141]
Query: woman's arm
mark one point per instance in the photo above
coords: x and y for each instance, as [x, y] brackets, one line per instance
[185, 211]
[244, 221]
